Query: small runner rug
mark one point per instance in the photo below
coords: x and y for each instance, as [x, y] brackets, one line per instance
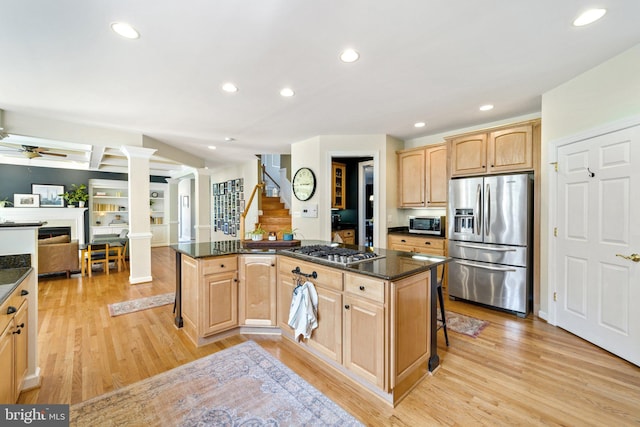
[125, 307]
[462, 324]
[240, 386]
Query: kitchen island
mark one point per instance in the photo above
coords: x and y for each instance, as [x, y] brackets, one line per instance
[376, 317]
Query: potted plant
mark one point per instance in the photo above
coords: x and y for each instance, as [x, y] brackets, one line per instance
[289, 233]
[5, 202]
[78, 194]
[258, 233]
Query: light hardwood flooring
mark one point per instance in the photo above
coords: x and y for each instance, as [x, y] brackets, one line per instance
[517, 372]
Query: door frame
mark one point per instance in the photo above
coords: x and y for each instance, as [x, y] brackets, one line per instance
[552, 179]
[362, 199]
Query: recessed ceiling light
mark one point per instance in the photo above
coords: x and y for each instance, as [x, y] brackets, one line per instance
[486, 107]
[287, 92]
[419, 124]
[229, 139]
[211, 147]
[349, 55]
[229, 87]
[125, 30]
[589, 16]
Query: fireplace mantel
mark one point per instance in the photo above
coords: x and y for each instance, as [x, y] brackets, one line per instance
[55, 217]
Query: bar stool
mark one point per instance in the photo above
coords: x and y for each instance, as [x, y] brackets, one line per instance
[443, 324]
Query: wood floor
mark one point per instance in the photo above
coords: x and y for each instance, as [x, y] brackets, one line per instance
[517, 372]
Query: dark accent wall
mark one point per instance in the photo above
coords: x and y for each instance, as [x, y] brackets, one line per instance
[350, 214]
[18, 179]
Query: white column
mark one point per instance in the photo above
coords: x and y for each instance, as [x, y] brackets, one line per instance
[203, 205]
[172, 205]
[139, 213]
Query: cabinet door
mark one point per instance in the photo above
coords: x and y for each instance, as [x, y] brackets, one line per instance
[327, 337]
[436, 158]
[510, 150]
[257, 290]
[411, 168]
[285, 294]
[469, 155]
[21, 348]
[159, 235]
[364, 339]
[221, 298]
[7, 389]
[338, 189]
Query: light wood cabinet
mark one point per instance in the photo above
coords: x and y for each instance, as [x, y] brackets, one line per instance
[508, 149]
[338, 185]
[14, 336]
[209, 297]
[347, 236]
[257, 290]
[7, 346]
[423, 177]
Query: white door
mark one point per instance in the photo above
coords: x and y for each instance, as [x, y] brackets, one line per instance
[598, 205]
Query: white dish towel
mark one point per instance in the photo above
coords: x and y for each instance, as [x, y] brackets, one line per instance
[303, 314]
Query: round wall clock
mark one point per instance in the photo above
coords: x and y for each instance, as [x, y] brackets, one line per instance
[303, 184]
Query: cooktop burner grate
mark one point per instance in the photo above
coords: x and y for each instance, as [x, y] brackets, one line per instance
[344, 256]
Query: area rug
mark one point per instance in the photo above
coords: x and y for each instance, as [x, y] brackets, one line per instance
[125, 307]
[240, 386]
[462, 324]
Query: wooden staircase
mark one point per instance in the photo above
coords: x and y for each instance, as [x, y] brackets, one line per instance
[275, 217]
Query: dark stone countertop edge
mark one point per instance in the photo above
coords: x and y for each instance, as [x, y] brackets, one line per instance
[10, 279]
[404, 231]
[394, 266]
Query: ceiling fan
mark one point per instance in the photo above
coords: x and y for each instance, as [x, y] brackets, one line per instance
[31, 151]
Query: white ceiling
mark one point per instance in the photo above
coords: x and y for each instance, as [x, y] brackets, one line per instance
[421, 60]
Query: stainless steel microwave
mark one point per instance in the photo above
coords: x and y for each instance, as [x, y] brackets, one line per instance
[434, 225]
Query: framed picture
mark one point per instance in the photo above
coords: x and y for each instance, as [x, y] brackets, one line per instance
[26, 200]
[49, 195]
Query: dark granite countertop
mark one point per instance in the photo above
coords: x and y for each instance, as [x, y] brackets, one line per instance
[404, 231]
[395, 264]
[10, 279]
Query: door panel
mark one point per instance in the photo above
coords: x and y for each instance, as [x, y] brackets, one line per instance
[506, 209]
[597, 290]
[465, 208]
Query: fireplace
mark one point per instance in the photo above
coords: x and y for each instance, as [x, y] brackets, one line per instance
[46, 232]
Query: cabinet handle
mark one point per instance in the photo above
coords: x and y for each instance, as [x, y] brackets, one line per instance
[403, 241]
[221, 265]
[21, 325]
[17, 331]
[235, 280]
[347, 306]
[483, 166]
[11, 309]
[24, 292]
[427, 243]
[273, 265]
[362, 287]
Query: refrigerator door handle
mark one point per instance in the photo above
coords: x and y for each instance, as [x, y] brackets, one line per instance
[476, 213]
[485, 267]
[487, 210]
[485, 248]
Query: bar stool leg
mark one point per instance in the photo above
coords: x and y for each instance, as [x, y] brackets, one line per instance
[444, 319]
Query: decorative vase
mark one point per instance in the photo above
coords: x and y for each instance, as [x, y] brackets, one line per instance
[256, 237]
[81, 203]
[287, 236]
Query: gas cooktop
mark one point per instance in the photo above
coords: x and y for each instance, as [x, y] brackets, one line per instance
[338, 255]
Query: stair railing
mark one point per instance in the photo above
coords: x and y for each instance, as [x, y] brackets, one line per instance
[243, 215]
[265, 173]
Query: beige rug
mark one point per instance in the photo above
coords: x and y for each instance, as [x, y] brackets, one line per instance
[130, 306]
[240, 386]
[462, 324]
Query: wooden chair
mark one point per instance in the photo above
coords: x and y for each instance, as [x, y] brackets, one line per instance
[97, 253]
[118, 254]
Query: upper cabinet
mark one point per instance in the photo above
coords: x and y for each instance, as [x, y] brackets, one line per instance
[423, 177]
[508, 149]
[338, 188]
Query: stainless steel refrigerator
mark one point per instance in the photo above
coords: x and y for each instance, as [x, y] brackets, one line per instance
[490, 240]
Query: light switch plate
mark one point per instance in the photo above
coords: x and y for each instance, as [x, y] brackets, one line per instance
[310, 211]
